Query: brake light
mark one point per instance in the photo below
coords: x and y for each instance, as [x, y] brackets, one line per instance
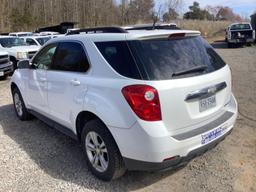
[144, 101]
[176, 36]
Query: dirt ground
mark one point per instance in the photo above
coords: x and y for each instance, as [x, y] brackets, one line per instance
[34, 157]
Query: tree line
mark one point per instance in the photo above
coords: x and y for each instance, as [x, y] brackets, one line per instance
[28, 15]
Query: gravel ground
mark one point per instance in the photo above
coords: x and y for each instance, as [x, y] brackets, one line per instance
[34, 157]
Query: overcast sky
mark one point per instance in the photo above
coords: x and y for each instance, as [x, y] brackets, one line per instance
[242, 7]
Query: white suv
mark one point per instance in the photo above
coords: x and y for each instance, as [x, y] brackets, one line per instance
[136, 100]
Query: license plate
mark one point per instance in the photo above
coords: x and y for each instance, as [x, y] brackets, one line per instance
[208, 137]
[207, 103]
[1, 73]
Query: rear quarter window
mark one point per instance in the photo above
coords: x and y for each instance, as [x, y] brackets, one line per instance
[118, 55]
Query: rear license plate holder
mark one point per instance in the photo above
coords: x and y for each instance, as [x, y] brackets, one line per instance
[1, 73]
[207, 103]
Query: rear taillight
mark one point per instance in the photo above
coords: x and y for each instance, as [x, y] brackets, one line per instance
[144, 101]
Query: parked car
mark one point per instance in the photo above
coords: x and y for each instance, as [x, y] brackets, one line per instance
[239, 33]
[136, 100]
[6, 66]
[36, 40]
[20, 34]
[17, 49]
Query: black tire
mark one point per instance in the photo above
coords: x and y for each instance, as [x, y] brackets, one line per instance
[230, 45]
[23, 113]
[3, 77]
[248, 44]
[14, 63]
[116, 167]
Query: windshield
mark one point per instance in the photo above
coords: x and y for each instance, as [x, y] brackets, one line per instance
[43, 40]
[240, 26]
[161, 59]
[11, 42]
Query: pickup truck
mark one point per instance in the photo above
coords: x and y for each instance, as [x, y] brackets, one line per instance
[239, 33]
[17, 49]
[6, 66]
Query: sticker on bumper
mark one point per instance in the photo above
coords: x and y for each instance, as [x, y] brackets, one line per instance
[208, 137]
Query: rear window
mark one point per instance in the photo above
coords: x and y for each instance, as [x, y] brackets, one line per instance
[162, 59]
[240, 27]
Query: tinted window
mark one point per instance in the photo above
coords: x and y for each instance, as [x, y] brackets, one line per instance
[162, 59]
[240, 27]
[119, 57]
[44, 58]
[70, 56]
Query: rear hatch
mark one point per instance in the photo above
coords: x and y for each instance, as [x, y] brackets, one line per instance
[192, 81]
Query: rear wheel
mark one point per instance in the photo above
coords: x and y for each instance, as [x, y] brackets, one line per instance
[230, 45]
[101, 152]
[19, 106]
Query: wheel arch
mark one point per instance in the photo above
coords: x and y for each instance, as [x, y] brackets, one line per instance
[82, 118]
[13, 86]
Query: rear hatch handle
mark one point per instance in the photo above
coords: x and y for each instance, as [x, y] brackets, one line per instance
[206, 92]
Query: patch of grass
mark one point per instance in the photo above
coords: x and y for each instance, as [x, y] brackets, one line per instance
[208, 29]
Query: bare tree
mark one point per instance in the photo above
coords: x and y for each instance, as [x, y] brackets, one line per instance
[174, 8]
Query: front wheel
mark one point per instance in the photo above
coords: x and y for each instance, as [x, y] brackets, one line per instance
[3, 77]
[101, 152]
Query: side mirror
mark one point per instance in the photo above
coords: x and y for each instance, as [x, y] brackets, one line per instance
[24, 64]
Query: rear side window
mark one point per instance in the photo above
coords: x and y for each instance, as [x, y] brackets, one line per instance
[118, 55]
[70, 56]
[161, 59]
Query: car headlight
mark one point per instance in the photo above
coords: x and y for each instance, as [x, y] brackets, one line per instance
[22, 55]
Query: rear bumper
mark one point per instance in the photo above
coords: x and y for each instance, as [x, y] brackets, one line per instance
[241, 40]
[150, 148]
[177, 161]
[6, 68]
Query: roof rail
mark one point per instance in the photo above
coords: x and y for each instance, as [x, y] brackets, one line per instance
[152, 27]
[98, 30]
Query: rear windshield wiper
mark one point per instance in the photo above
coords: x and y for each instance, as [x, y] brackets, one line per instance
[191, 70]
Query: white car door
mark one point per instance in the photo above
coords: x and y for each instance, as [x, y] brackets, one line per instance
[66, 90]
[37, 84]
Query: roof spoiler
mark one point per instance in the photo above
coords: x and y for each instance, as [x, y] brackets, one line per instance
[171, 36]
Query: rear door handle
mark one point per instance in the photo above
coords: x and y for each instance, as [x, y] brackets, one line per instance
[75, 82]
